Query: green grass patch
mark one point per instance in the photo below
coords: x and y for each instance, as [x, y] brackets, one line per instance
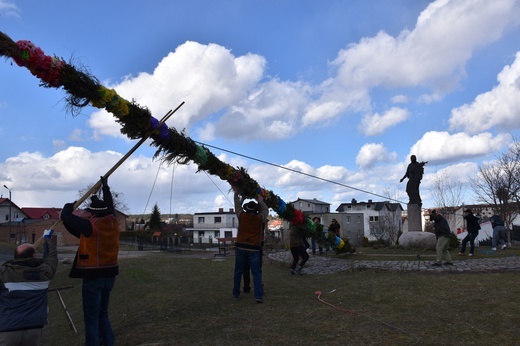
[162, 300]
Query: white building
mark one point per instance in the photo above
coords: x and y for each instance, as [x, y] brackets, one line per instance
[207, 227]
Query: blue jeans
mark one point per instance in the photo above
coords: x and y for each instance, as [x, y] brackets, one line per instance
[499, 236]
[471, 238]
[313, 242]
[96, 296]
[252, 258]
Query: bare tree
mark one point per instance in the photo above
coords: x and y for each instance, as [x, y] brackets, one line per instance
[498, 183]
[448, 191]
[118, 197]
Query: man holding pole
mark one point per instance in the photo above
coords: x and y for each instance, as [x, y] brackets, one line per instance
[95, 262]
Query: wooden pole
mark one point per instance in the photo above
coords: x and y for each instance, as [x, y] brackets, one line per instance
[97, 185]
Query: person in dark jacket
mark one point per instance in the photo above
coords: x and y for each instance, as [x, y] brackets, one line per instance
[443, 234]
[95, 262]
[472, 226]
[499, 232]
[251, 219]
[298, 250]
[24, 283]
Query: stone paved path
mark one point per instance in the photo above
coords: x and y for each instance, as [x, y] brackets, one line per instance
[321, 265]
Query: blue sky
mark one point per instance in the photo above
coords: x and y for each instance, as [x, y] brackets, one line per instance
[342, 90]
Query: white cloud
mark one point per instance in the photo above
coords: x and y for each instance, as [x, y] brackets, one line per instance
[432, 55]
[400, 99]
[498, 107]
[372, 153]
[9, 9]
[443, 147]
[374, 124]
[212, 80]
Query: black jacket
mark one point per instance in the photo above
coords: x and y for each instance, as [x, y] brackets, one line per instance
[472, 223]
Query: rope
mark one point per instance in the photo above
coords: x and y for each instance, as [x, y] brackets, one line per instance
[318, 294]
[302, 173]
[153, 186]
[223, 194]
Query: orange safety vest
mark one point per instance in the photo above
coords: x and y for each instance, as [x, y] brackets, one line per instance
[100, 250]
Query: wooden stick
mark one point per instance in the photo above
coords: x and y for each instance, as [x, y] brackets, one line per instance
[69, 318]
[97, 185]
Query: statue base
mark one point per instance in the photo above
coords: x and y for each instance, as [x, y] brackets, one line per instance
[423, 240]
[415, 237]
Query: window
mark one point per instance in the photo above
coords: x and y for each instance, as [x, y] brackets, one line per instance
[216, 234]
[218, 219]
[374, 218]
[359, 219]
[201, 234]
[347, 219]
[201, 219]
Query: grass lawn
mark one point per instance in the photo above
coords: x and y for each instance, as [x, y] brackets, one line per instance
[162, 300]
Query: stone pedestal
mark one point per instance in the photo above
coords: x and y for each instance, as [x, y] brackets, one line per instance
[415, 237]
[414, 218]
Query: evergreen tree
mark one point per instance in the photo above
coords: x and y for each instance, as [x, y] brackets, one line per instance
[155, 219]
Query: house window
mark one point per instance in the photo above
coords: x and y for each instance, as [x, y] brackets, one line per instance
[347, 219]
[201, 234]
[218, 219]
[201, 219]
[359, 219]
[374, 218]
[46, 217]
[216, 234]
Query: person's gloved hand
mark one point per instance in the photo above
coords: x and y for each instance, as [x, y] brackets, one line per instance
[47, 234]
[104, 181]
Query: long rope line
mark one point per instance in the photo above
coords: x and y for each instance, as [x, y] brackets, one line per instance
[318, 294]
[153, 186]
[302, 173]
[223, 194]
[171, 188]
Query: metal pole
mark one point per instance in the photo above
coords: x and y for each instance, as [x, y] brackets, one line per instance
[10, 214]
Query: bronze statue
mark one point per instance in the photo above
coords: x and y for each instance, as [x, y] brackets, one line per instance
[414, 173]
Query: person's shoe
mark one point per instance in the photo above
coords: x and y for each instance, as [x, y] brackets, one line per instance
[235, 297]
[493, 249]
[247, 289]
[503, 247]
[293, 271]
[299, 270]
[470, 255]
[435, 264]
[462, 254]
[448, 263]
[259, 300]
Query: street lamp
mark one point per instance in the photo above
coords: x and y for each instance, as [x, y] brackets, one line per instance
[10, 204]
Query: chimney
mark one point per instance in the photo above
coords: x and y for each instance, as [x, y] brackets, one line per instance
[220, 210]
[231, 210]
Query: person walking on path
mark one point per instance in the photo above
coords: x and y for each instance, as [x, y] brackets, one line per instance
[297, 244]
[443, 234]
[251, 219]
[499, 233]
[24, 283]
[472, 226]
[95, 262]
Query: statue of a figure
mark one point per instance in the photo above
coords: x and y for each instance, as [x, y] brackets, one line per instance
[414, 173]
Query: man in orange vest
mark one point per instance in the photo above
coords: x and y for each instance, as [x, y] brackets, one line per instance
[95, 262]
[251, 219]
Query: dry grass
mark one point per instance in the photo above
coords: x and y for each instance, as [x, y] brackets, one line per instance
[161, 300]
